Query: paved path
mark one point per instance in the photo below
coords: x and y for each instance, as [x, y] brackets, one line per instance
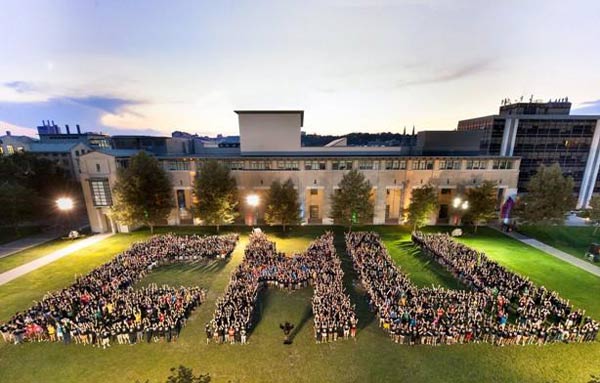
[577, 262]
[51, 257]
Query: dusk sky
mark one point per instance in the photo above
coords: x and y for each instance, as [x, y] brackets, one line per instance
[152, 67]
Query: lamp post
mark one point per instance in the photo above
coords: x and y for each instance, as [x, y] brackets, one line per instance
[253, 200]
[65, 205]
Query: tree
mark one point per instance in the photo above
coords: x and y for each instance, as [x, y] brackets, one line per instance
[17, 204]
[482, 203]
[283, 206]
[549, 197]
[216, 194]
[593, 212]
[423, 202]
[352, 203]
[143, 192]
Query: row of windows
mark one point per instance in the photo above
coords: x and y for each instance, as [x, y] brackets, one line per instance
[349, 164]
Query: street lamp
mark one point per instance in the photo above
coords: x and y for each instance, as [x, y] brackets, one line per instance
[64, 204]
[253, 200]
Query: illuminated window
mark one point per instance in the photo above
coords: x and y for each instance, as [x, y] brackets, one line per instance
[100, 192]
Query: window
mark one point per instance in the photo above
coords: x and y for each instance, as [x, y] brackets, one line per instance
[341, 165]
[260, 165]
[100, 192]
[449, 165]
[314, 165]
[181, 199]
[314, 191]
[122, 163]
[445, 191]
[97, 168]
[10, 149]
[77, 153]
[368, 165]
[502, 164]
[236, 165]
[176, 165]
[476, 164]
[1, 151]
[287, 165]
[20, 149]
[395, 164]
[422, 164]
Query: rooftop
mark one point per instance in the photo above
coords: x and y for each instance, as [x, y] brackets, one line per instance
[300, 112]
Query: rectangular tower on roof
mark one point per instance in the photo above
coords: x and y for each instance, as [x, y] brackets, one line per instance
[270, 130]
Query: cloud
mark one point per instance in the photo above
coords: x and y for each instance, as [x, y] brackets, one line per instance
[112, 105]
[463, 71]
[20, 86]
[89, 111]
[588, 107]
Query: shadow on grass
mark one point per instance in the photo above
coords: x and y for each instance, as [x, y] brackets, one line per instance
[305, 318]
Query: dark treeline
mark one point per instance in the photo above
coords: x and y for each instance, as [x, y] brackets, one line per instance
[361, 139]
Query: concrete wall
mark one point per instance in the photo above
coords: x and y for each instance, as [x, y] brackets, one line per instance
[262, 132]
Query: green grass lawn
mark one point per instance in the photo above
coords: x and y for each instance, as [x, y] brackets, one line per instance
[22, 257]
[580, 287]
[372, 358]
[574, 240]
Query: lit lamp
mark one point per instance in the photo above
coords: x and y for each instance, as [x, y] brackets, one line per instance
[459, 204]
[253, 200]
[64, 204]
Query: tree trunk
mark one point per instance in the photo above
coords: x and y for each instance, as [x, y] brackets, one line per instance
[595, 229]
[283, 224]
[218, 227]
[475, 231]
[151, 228]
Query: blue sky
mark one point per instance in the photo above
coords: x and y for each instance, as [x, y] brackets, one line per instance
[356, 65]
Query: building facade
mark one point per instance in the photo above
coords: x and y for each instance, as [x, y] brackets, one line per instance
[270, 150]
[544, 133]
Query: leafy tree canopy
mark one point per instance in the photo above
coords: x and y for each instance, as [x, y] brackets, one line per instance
[423, 202]
[216, 194]
[352, 203]
[549, 197]
[482, 204]
[283, 206]
[143, 192]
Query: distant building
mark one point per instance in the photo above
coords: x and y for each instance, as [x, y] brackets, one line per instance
[270, 149]
[10, 144]
[544, 133]
[63, 149]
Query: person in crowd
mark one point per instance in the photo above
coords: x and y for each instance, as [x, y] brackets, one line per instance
[104, 305]
[264, 266]
[436, 315]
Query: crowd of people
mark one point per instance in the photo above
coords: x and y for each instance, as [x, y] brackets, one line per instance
[319, 266]
[104, 306]
[440, 316]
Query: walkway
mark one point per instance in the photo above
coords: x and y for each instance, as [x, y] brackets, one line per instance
[577, 262]
[43, 261]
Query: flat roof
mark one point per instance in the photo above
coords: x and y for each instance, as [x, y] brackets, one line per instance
[300, 112]
[538, 117]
